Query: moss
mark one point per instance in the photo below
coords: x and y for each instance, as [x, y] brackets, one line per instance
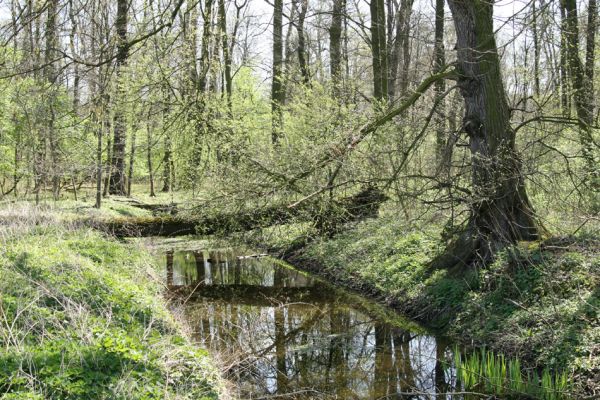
[83, 317]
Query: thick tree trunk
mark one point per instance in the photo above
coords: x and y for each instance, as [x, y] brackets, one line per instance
[379, 50]
[302, 54]
[335, 45]
[51, 77]
[400, 51]
[583, 86]
[277, 88]
[439, 60]
[564, 73]
[500, 213]
[226, 56]
[117, 179]
[590, 45]
[204, 50]
[536, 49]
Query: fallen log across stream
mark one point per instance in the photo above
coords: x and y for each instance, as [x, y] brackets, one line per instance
[362, 205]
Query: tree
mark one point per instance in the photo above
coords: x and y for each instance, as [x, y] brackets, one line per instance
[51, 77]
[302, 54]
[277, 87]
[582, 82]
[117, 177]
[500, 211]
[439, 61]
[379, 50]
[400, 50]
[335, 44]
[225, 48]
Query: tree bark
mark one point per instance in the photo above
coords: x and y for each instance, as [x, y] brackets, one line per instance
[335, 45]
[149, 158]
[400, 50]
[564, 73]
[379, 50]
[167, 166]
[226, 56]
[277, 88]
[500, 211]
[582, 85]
[117, 179]
[536, 50]
[590, 44]
[131, 162]
[51, 77]
[302, 54]
[204, 50]
[439, 60]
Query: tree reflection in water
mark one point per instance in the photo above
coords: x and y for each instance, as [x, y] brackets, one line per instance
[282, 333]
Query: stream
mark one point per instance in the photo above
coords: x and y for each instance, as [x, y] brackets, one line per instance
[281, 333]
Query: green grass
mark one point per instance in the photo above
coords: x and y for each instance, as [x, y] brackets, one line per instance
[82, 316]
[538, 302]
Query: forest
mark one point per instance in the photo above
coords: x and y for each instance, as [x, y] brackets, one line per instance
[300, 199]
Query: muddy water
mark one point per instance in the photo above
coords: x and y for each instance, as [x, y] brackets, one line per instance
[285, 334]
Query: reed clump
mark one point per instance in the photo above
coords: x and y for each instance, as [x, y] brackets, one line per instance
[492, 373]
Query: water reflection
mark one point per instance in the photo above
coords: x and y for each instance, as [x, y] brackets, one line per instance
[284, 334]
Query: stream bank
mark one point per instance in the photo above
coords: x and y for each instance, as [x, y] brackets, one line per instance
[538, 301]
[83, 315]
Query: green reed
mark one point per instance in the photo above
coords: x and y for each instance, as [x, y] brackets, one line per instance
[485, 371]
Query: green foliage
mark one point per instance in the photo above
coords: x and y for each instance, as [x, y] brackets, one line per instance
[485, 371]
[82, 317]
[537, 302]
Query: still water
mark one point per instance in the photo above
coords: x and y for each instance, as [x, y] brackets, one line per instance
[284, 334]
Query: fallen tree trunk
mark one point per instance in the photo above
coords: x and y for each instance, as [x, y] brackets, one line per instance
[362, 205]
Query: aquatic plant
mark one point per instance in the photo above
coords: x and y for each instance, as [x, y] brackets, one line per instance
[485, 371]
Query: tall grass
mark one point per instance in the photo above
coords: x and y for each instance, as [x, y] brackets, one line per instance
[485, 371]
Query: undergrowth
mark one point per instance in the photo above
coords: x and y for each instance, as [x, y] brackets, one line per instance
[82, 316]
[539, 301]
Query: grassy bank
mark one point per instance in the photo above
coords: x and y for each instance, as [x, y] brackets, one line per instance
[83, 316]
[539, 301]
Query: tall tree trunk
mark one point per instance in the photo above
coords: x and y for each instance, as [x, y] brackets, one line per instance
[205, 61]
[277, 88]
[582, 85]
[379, 50]
[149, 157]
[439, 60]
[302, 54]
[76, 76]
[536, 50]
[226, 56]
[51, 76]
[99, 132]
[131, 162]
[167, 172]
[500, 212]
[401, 49]
[289, 53]
[590, 45]
[205, 46]
[564, 73]
[335, 45]
[109, 148]
[117, 179]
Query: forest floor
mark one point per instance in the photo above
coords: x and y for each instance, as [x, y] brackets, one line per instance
[539, 301]
[83, 315]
